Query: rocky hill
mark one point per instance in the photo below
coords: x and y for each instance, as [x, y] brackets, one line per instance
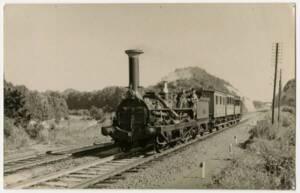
[195, 77]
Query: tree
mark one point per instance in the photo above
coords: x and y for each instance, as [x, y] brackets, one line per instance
[14, 104]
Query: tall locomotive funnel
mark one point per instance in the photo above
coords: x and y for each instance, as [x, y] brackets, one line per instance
[134, 78]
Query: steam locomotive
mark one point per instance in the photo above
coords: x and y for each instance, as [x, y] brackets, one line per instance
[164, 119]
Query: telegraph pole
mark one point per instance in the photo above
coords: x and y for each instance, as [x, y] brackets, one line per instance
[279, 96]
[275, 79]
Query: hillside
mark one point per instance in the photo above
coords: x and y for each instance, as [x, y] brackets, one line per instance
[260, 105]
[195, 77]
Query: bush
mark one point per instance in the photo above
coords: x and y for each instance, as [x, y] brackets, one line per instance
[96, 113]
[268, 161]
[84, 112]
[288, 109]
[285, 122]
[15, 137]
[43, 134]
[246, 172]
[263, 129]
[8, 126]
[33, 129]
[252, 171]
[80, 112]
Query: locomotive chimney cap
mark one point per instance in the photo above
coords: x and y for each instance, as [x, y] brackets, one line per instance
[133, 52]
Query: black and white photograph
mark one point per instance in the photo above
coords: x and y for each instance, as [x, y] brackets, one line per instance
[149, 96]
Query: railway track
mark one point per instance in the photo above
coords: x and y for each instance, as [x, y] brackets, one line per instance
[106, 170]
[15, 165]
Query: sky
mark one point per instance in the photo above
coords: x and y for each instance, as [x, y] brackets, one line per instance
[57, 46]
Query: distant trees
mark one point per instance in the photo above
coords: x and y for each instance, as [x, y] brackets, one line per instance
[259, 104]
[24, 105]
[107, 99]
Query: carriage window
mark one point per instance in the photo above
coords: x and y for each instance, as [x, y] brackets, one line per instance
[216, 99]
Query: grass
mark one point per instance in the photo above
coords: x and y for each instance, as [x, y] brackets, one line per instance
[75, 131]
[15, 137]
[268, 161]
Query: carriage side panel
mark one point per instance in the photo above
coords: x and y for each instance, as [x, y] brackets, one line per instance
[203, 108]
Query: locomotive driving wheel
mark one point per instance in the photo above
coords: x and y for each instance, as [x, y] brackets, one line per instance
[194, 132]
[125, 147]
[159, 143]
[190, 134]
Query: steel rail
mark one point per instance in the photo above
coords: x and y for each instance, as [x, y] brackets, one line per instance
[92, 173]
[51, 156]
[57, 174]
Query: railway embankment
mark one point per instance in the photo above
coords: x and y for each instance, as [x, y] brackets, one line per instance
[252, 155]
[267, 160]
